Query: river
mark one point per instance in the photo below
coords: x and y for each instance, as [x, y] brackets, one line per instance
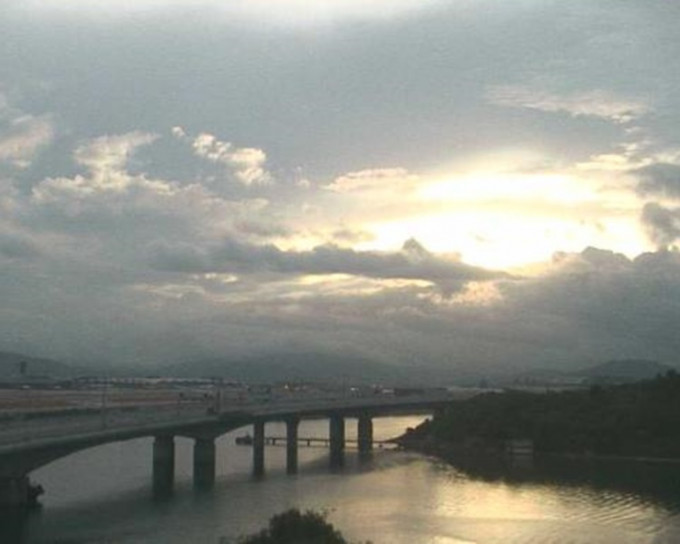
[102, 495]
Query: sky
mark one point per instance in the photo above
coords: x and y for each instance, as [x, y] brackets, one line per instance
[466, 184]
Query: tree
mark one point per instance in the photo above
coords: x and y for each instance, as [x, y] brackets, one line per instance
[295, 527]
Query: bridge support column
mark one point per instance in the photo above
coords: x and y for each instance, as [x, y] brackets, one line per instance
[258, 448]
[204, 463]
[337, 441]
[365, 433]
[14, 492]
[292, 445]
[163, 465]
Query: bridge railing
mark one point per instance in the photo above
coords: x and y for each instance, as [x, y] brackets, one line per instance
[36, 429]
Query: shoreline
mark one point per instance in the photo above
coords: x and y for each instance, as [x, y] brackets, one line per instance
[446, 451]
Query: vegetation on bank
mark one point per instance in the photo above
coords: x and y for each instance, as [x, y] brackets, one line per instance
[295, 527]
[640, 419]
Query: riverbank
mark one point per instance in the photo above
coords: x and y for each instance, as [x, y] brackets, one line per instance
[637, 422]
[449, 452]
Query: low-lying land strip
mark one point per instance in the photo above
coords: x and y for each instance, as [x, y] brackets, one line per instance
[639, 420]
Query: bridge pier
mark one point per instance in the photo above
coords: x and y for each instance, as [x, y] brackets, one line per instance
[337, 441]
[258, 448]
[365, 434]
[292, 445]
[204, 463]
[163, 465]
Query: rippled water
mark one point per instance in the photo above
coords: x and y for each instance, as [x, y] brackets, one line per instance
[102, 495]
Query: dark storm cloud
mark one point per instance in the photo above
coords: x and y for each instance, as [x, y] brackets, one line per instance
[660, 179]
[588, 307]
[413, 262]
[599, 305]
[663, 224]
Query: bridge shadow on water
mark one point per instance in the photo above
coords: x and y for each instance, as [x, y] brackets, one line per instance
[85, 521]
[18, 527]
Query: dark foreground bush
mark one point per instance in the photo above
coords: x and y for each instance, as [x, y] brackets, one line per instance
[295, 527]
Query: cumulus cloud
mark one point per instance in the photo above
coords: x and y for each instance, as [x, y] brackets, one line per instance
[127, 211]
[22, 136]
[596, 103]
[247, 163]
[110, 154]
[106, 160]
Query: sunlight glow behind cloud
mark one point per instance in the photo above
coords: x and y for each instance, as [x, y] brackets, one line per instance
[495, 186]
[506, 221]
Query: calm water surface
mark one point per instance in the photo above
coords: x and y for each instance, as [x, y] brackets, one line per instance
[102, 496]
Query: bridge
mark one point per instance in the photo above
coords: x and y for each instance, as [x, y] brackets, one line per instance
[27, 444]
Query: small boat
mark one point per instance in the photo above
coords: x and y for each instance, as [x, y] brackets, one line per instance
[245, 440]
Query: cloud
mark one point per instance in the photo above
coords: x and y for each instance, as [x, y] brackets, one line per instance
[350, 236]
[374, 180]
[106, 160]
[22, 136]
[14, 246]
[660, 179]
[110, 154]
[282, 11]
[598, 103]
[247, 163]
[232, 256]
[598, 305]
[663, 224]
[127, 211]
[149, 246]
[263, 228]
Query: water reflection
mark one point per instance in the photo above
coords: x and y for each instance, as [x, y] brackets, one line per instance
[103, 495]
[562, 500]
[652, 482]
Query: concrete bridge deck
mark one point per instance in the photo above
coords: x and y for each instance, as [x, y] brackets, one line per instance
[26, 444]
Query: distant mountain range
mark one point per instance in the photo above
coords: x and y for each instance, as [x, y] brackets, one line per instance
[611, 372]
[330, 367]
[625, 370]
[319, 367]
